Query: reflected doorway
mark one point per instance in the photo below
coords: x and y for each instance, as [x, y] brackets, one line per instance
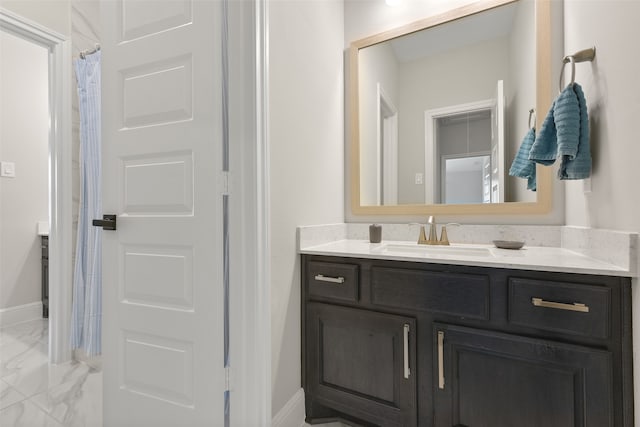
[473, 131]
[387, 150]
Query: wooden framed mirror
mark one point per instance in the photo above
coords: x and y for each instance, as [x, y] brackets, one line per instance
[464, 73]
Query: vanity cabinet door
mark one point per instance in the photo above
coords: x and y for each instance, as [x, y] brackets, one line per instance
[361, 363]
[491, 379]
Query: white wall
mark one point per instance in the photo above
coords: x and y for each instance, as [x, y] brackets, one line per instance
[378, 65]
[611, 88]
[53, 14]
[24, 140]
[306, 149]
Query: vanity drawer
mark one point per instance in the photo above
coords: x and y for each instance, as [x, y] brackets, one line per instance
[333, 280]
[458, 294]
[571, 308]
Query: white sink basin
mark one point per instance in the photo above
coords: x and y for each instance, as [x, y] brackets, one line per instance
[435, 250]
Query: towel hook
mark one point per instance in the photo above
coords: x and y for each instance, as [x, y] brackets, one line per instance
[532, 113]
[580, 56]
[573, 71]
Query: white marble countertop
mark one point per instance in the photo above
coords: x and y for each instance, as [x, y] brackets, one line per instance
[527, 258]
[42, 228]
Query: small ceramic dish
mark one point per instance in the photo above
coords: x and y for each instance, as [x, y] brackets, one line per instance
[508, 244]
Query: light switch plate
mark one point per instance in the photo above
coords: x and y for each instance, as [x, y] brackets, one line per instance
[418, 179]
[8, 169]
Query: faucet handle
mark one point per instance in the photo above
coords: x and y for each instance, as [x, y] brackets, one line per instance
[422, 238]
[444, 239]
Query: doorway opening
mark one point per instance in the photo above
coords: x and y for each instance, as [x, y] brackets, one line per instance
[60, 203]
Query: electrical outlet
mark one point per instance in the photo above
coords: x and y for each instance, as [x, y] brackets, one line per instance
[8, 169]
[418, 178]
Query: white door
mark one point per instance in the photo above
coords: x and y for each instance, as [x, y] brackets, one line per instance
[497, 145]
[162, 157]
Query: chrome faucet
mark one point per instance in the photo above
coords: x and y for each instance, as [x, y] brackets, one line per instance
[433, 233]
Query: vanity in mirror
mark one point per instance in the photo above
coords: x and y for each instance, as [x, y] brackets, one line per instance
[439, 109]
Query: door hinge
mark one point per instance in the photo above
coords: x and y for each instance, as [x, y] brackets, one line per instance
[225, 178]
[227, 379]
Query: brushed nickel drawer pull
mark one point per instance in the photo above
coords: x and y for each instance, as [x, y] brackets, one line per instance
[539, 302]
[407, 370]
[322, 278]
[441, 360]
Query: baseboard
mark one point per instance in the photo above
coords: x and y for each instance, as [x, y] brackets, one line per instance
[292, 413]
[20, 313]
[94, 362]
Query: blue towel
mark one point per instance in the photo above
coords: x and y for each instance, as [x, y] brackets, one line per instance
[522, 167]
[564, 134]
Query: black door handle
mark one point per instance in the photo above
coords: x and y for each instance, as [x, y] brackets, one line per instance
[108, 222]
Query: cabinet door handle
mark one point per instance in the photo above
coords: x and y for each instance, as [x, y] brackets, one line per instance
[539, 302]
[441, 360]
[323, 278]
[407, 369]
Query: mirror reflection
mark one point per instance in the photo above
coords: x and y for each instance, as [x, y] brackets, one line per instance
[442, 111]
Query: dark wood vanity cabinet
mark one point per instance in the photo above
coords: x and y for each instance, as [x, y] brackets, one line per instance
[389, 343]
[45, 275]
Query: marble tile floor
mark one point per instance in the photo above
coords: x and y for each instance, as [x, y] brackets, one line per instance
[34, 393]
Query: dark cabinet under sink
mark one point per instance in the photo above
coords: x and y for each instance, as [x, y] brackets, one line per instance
[391, 343]
[490, 379]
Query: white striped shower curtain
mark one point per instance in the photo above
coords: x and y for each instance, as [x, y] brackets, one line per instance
[86, 317]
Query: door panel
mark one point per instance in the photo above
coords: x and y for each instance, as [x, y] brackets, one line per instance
[158, 276]
[171, 172]
[145, 18]
[140, 376]
[348, 360]
[162, 151]
[493, 379]
[356, 363]
[144, 105]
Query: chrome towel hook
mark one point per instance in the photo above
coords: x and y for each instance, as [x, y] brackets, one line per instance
[581, 56]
